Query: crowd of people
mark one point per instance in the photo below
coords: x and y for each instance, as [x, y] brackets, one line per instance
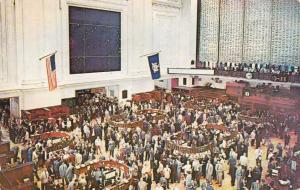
[144, 149]
[282, 73]
[263, 68]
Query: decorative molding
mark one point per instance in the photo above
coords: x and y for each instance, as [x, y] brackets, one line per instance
[168, 3]
[1, 41]
[95, 2]
[10, 93]
[188, 71]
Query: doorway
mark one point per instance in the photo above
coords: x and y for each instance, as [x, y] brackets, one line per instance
[9, 108]
[4, 111]
[174, 83]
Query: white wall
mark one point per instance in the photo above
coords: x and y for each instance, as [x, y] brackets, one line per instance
[165, 84]
[189, 81]
[31, 29]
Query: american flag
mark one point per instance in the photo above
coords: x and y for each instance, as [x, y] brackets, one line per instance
[51, 72]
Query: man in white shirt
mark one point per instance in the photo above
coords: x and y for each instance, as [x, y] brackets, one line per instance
[232, 153]
[160, 168]
[244, 161]
[44, 176]
[159, 187]
[98, 145]
[69, 124]
[187, 168]
[209, 171]
[258, 155]
[219, 171]
[86, 131]
[78, 158]
[167, 174]
[49, 142]
[252, 137]
[35, 157]
[197, 170]
[142, 185]
[73, 184]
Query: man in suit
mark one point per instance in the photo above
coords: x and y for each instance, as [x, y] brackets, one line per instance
[155, 174]
[188, 181]
[255, 185]
[56, 168]
[279, 149]
[209, 171]
[62, 172]
[148, 181]
[196, 170]
[178, 170]
[269, 149]
[232, 161]
[239, 177]
[69, 173]
[98, 131]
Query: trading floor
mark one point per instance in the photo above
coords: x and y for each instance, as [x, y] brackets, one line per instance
[175, 141]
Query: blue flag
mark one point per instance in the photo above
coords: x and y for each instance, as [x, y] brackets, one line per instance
[154, 66]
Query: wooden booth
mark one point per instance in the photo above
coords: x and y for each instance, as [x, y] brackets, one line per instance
[5, 153]
[19, 177]
[202, 92]
[264, 98]
[147, 96]
[46, 113]
[14, 176]
[111, 167]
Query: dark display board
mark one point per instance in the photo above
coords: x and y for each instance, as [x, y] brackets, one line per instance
[95, 40]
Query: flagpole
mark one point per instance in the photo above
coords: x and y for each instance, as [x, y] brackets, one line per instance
[150, 53]
[48, 55]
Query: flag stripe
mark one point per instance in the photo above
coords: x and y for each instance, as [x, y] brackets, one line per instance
[51, 72]
[48, 73]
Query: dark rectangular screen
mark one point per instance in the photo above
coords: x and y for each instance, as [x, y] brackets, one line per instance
[95, 40]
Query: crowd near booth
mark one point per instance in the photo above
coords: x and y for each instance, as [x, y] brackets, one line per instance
[156, 140]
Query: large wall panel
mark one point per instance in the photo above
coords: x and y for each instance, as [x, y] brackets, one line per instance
[250, 31]
[285, 32]
[257, 35]
[32, 41]
[166, 36]
[209, 28]
[231, 31]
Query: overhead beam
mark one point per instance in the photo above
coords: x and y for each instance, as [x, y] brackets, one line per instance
[190, 71]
